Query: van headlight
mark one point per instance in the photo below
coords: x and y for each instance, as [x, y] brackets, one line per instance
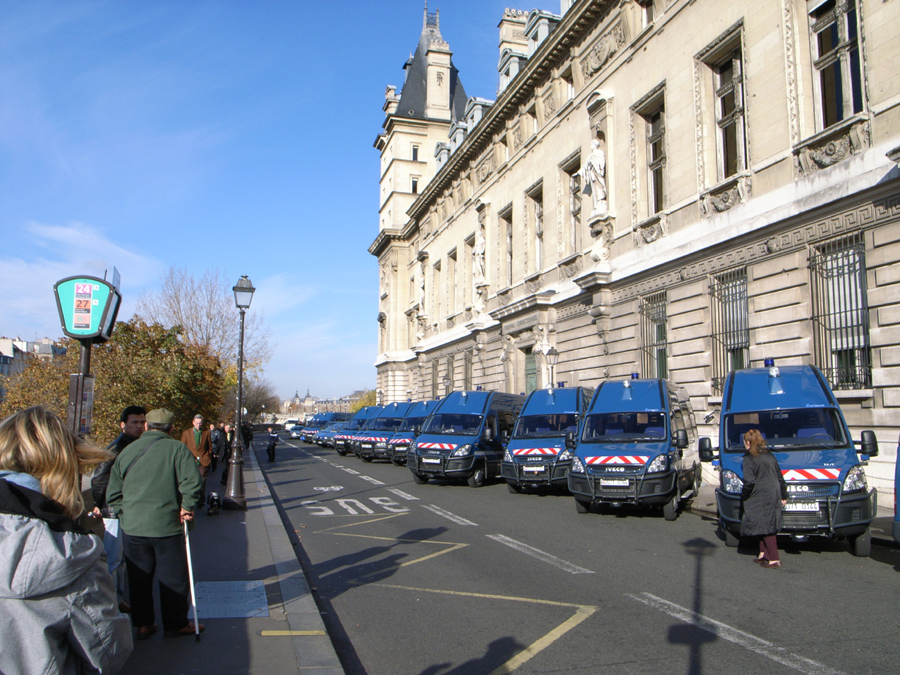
[577, 466]
[660, 463]
[564, 456]
[731, 483]
[855, 480]
[507, 456]
[462, 451]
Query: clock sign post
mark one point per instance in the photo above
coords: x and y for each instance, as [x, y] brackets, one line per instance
[88, 308]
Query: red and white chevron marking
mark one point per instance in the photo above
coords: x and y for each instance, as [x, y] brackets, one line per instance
[437, 446]
[397, 441]
[811, 474]
[618, 459]
[535, 451]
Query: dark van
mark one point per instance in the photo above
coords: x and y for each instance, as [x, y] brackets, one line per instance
[796, 412]
[465, 437]
[373, 442]
[536, 454]
[638, 446]
[415, 419]
[343, 439]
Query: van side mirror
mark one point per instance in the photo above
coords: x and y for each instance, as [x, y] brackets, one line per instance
[681, 439]
[869, 443]
[488, 434]
[417, 430]
[570, 440]
[706, 451]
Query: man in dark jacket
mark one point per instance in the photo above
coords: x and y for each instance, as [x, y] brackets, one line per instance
[154, 487]
[215, 440]
[273, 442]
[133, 421]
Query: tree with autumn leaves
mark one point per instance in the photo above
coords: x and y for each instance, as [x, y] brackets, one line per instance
[142, 364]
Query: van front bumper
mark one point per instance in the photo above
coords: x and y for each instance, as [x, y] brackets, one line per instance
[438, 465]
[536, 473]
[623, 488]
[841, 515]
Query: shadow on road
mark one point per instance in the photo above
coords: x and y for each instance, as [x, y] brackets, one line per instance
[692, 635]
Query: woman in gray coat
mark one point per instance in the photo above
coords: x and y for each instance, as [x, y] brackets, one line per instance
[764, 495]
[59, 608]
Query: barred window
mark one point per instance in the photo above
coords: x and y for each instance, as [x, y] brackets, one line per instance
[730, 325]
[840, 313]
[654, 346]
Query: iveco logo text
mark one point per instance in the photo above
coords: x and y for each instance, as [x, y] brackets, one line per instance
[615, 468]
[798, 488]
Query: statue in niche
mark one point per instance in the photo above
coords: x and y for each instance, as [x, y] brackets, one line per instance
[507, 359]
[540, 349]
[478, 256]
[594, 173]
[420, 287]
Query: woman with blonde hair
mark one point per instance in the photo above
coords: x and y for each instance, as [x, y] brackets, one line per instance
[60, 612]
[763, 496]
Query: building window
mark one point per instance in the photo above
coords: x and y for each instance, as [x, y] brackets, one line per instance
[506, 231]
[655, 121]
[729, 74]
[415, 153]
[470, 261]
[451, 283]
[414, 185]
[568, 84]
[730, 325]
[532, 120]
[646, 12]
[840, 313]
[436, 280]
[571, 175]
[654, 347]
[835, 41]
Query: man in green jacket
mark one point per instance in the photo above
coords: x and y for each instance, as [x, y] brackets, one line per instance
[154, 486]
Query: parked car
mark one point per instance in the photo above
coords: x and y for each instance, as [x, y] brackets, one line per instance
[296, 431]
[638, 446]
[536, 454]
[465, 437]
[796, 412]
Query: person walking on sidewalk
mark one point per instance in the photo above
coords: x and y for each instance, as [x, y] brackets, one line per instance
[227, 441]
[215, 441]
[59, 607]
[764, 495]
[273, 442]
[154, 487]
[132, 421]
[198, 442]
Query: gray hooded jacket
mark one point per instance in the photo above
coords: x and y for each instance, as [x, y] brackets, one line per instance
[57, 600]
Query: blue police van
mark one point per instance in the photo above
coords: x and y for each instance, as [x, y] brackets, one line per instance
[638, 446]
[465, 437]
[415, 418]
[343, 441]
[536, 454]
[796, 412]
[373, 442]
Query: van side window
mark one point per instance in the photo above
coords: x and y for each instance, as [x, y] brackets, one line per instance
[677, 420]
[507, 421]
[491, 423]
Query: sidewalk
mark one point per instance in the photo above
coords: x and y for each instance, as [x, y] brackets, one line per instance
[252, 598]
[704, 504]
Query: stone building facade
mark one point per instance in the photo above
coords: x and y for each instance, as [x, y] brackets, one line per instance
[669, 187]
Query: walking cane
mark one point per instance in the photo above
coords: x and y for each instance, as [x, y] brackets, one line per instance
[187, 544]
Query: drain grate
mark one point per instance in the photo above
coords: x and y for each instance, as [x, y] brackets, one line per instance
[231, 599]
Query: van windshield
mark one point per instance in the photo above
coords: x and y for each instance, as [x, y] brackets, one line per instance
[544, 426]
[453, 423]
[410, 423]
[355, 424]
[625, 427]
[385, 424]
[800, 429]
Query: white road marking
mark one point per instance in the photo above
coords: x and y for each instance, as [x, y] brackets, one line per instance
[316, 510]
[348, 504]
[538, 554]
[403, 495]
[372, 480]
[389, 504]
[330, 488]
[726, 632]
[449, 516]
[349, 470]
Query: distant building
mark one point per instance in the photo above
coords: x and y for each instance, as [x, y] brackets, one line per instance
[674, 188]
[15, 352]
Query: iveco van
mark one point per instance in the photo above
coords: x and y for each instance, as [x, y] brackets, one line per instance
[415, 419]
[343, 439]
[373, 442]
[465, 437]
[637, 446]
[536, 454]
[796, 412]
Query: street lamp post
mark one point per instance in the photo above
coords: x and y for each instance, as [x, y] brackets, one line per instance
[234, 495]
[552, 360]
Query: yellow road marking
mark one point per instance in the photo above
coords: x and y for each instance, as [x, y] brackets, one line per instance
[582, 612]
[358, 522]
[290, 633]
[452, 546]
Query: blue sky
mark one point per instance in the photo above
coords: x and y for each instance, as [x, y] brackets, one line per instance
[230, 135]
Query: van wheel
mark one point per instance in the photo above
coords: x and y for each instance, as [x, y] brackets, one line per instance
[513, 488]
[397, 462]
[582, 506]
[365, 459]
[670, 508]
[342, 453]
[730, 540]
[476, 480]
[420, 479]
[861, 544]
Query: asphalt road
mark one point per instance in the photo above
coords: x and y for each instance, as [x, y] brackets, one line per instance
[443, 579]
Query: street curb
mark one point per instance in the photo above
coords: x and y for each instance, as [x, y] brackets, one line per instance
[300, 609]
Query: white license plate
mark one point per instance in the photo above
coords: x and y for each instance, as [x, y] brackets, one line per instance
[802, 506]
[367, 446]
[533, 469]
[614, 482]
[430, 460]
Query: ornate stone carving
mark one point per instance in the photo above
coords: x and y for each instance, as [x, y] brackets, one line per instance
[648, 231]
[451, 322]
[504, 297]
[486, 168]
[698, 127]
[725, 196]
[602, 52]
[533, 285]
[826, 150]
[601, 230]
[517, 137]
[790, 61]
[569, 269]
[549, 104]
[773, 245]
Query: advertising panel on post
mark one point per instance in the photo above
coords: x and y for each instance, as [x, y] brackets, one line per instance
[87, 307]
